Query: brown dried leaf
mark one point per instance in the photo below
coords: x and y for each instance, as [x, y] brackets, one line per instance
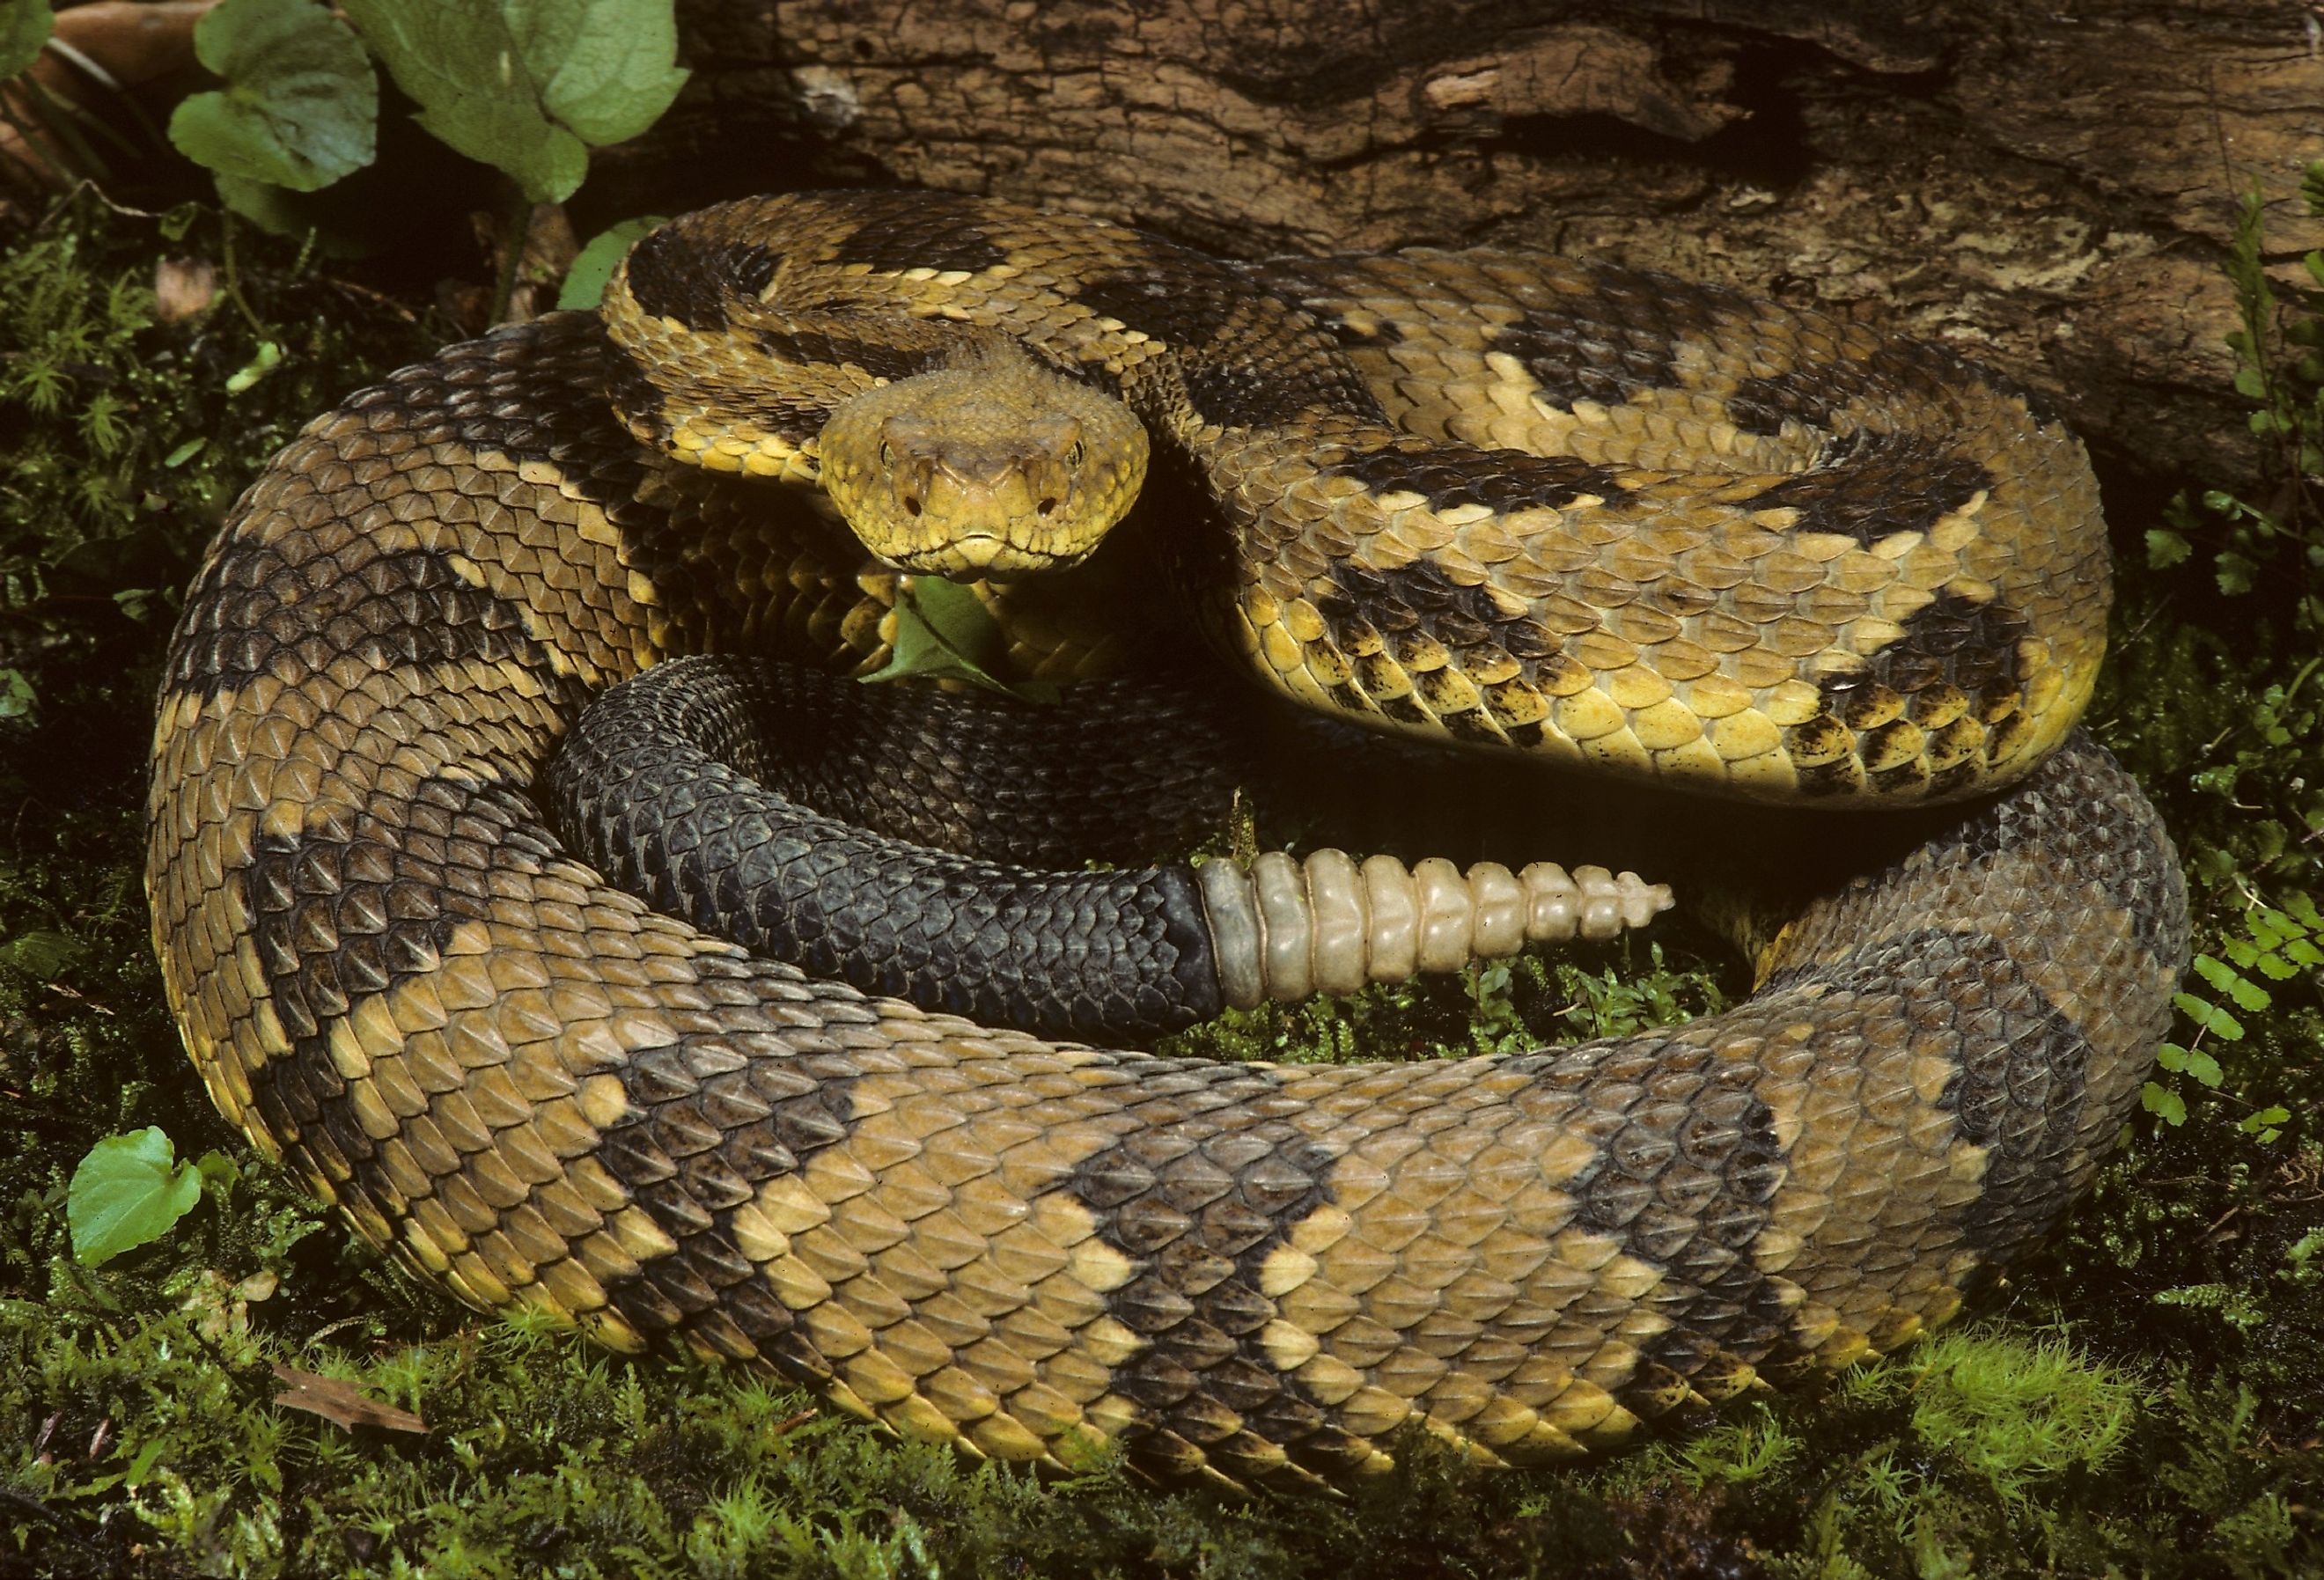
[338, 1402]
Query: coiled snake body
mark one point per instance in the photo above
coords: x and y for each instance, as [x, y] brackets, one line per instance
[1598, 515]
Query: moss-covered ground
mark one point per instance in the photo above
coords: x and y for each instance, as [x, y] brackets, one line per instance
[2146, 1398]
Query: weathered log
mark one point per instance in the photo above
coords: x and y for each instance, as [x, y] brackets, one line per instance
[2051, 190]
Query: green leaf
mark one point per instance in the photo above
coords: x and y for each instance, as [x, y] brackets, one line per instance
[2163, 1103]
[2248, 996]
[2192, 1062]
[2277, 967]
[528, 85]
[219, 1172]
[144, 1461]
[592, 266]
[2165, 549]
[2263, 1123]
[943, 633]
[24, 29]
[2209, 1017]
[128, 1191]
[267, 358]
[40, 955]
[301, 107]
[607, 68]
[15, 695]
[2236, 573]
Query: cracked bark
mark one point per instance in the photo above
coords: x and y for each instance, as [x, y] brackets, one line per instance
[2049, 189]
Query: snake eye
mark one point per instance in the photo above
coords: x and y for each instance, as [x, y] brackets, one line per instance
[1074, 455]
[887, 457]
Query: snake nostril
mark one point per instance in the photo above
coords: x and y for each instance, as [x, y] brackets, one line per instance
[1047, 507]
[911, 505]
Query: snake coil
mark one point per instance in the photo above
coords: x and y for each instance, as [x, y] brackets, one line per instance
[1599, 516]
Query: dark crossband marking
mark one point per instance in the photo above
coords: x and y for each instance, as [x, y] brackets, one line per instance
[919, 230]
[1363, 602]
[1686, 1179]
[1449, 477]
[1198, 1196]
[671, 278]
[1587, 353]
[813, 348]
[1952, 640]
[1760, 406]
[713, 1118]
[1873, 486]
[1240, 358]
[2020, 1065]
[251, 610]
[349, 910]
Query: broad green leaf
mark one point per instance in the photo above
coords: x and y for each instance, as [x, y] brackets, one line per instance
[24, 29]
[301, 107]
[129, 1190]
[40, 955]
[592, 266]
[15, 695]
[2165, 549]
[527, 86]
[943, 633]
[607, 69]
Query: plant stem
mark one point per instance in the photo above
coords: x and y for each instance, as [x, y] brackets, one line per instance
[234, 278]
[516, 229]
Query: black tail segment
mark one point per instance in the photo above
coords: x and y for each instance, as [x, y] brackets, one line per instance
[640, 791]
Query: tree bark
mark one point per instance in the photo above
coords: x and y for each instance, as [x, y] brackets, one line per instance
[2048, 189]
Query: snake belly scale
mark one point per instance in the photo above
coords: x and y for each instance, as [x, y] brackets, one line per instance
[1597, 515]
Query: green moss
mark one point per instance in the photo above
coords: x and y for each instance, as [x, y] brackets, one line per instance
[1591, 990]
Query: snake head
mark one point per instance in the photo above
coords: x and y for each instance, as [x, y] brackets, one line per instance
[998, 468]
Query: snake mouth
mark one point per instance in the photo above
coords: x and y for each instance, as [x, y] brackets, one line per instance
[970, 557]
